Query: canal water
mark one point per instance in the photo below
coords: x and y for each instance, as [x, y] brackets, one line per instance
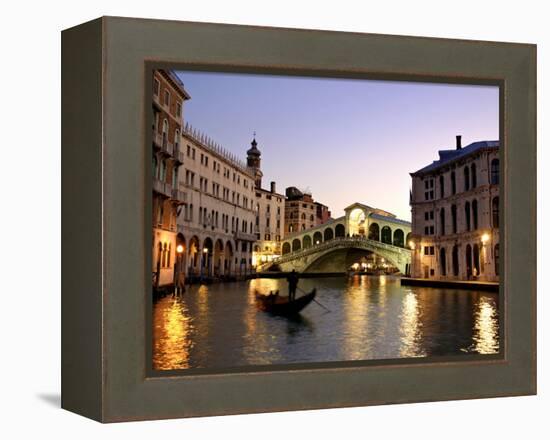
[371, 317]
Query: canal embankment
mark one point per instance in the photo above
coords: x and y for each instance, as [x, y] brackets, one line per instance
[451, 284]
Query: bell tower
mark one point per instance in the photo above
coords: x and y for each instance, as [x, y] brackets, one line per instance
[253, 161]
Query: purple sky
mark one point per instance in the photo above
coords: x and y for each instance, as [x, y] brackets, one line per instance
[344, 140]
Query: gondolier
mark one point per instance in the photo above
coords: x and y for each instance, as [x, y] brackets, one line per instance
[292, 285]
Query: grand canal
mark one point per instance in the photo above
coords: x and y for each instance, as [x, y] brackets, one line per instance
[370, 317]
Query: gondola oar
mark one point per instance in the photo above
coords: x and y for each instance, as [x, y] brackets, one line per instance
[314, 300]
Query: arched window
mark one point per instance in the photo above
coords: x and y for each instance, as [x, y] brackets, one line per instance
[468, 261]
[495, 173]
[164, 132]
[303, 216]
[473, 175]
[291, 228]
[442, 262]
[453, 218]
[374, 232]
[155, 167]
[340, 230]
[399, 238]
[306, 242]
[442, 186]
[386, 235]
[476, 260]
[286, 248]
[311, 218]
[467, 216]
[162, 173]
[296, 245]
[164, 252]
[474, 214]
[466, 178]
[442, 221]
[169, 255]
[303, 227]
[177, 140]
[455, 260]
[175, 178]
[496, 258]
[329, 234]
[159, 255]
[453, 183]
[495, 212]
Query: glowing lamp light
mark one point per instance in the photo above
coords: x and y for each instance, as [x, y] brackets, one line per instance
[317, 242]
[205, 250]
[485, 238]
[411, 244]
[179, 249]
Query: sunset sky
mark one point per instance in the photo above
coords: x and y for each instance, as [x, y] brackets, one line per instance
[344, 140]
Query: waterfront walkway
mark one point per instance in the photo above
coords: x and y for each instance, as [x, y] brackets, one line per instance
[452, 284]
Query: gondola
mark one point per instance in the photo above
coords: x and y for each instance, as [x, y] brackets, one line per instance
[281, 306]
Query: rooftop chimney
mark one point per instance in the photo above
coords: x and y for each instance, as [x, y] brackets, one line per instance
[273, 187]
[458, 142]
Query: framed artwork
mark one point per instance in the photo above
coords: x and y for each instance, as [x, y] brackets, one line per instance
[284, 219]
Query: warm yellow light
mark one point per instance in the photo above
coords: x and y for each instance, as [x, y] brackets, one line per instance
[205, 250]
[179, 249]
[317, 242]
[411, 244]
[485, 238]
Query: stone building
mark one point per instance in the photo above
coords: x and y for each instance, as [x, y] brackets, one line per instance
[300, 211]
[270, 213]
[216, 222]
[322, 214]
[168, 98]
[455, 214]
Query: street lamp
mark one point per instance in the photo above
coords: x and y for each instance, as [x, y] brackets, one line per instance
[178, 269]
[411, 244]
[485, 238]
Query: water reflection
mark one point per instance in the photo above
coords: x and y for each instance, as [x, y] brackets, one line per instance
[219, 325]
[485, 328]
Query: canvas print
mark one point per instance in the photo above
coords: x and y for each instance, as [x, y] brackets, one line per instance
[299, 220]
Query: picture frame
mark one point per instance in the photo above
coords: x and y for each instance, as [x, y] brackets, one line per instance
[106, 180]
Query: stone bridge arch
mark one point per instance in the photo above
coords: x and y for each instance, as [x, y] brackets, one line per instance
[306, 260]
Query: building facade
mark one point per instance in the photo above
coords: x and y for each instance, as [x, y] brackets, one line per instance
[322, 214]
[455, 214]
[168, 98]
[300, 211]
[270, 213]
[216, 222]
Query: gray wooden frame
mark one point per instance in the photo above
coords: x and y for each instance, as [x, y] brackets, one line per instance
[106, 231]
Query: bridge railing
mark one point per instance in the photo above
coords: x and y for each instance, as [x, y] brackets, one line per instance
[335, 242]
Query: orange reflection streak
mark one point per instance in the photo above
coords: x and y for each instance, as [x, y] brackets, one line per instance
[411, 327]
[262, 348]
[171, 337]
[355, 325]
[486, 340]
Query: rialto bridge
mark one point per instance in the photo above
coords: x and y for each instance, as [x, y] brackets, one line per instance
[333, 246]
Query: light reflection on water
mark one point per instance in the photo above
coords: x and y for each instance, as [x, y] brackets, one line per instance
[219, 325]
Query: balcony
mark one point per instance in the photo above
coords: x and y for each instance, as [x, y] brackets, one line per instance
[161, 142]
[178, 195]
[162, 188]
[178, 155]
[244, 236]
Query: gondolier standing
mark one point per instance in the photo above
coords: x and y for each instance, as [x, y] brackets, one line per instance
[292, 279]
